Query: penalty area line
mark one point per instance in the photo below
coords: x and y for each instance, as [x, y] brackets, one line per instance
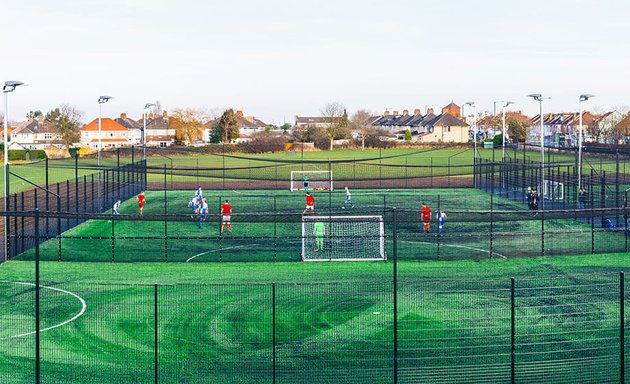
[81, 312]
[218, 250]
[457, 246]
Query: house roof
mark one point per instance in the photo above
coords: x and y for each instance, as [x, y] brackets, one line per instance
[37, 126]
[158, 122]
[107, 124]
[444, 120]
[129, 123]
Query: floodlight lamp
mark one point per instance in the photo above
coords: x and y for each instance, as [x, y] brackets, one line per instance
[586, 97]
[9, 86]
[536, 96]
[104, 99]
[149, 105]
[508, 103]
[471, 103]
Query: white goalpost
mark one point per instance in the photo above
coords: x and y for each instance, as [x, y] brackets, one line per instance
[553, 190]
[311, 180]
[343, 238]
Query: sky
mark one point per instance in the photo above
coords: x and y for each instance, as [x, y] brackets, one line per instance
[275, 59]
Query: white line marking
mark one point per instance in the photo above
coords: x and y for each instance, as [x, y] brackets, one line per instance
[456, 246]
[218, 250]
[83, 308]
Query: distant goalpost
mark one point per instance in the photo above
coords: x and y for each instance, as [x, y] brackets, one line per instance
[345, 238]
[311, 181]
[553, 190]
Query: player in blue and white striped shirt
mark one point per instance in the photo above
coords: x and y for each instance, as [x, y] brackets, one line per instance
[199, 193]
[441, 217]
[116, 208]
[203, 212]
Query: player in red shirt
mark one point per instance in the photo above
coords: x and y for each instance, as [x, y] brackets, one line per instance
[141, 201]
[310, 204]
[226, 214]
[425, 213]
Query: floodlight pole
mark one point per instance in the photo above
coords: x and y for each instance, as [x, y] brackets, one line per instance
[538, 97]
[9, 86]
[580, 140]
[503, 131]
[474, 129]
[101, 100]
[144, 130]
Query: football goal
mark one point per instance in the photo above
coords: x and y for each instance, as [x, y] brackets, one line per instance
[553, 190]
[311, 180]
[343, 238]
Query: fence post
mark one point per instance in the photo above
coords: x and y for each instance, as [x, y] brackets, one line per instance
[275, 237]
[592, 231]
[380, 167]
[448, 178]
[37, 309]
[438, 232]
[542, 232]
[513, 331]
[165, 218]
[491, 225]
[273, 329]
[59, 222]
[395, 251]
[622, 332]
[330, 189]
[113, 239]
[155, 332]
[47, 200]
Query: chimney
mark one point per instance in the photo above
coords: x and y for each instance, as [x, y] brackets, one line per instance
[239, 113]
[164, 114]
[395, 113]
[416, 111]
[386, 113]
[429, 111]
[123, 115]
[405, 111]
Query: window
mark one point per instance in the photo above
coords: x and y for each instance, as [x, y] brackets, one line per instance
[111, 134]
[162, 144]
[47, 136]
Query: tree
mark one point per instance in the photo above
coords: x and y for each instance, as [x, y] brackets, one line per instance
[336, 120]
[286, 127]
[34, 114]
[226, 129]
[66, 119]
[407, 135]
[361, 122]
[188, 124]
[517, 130]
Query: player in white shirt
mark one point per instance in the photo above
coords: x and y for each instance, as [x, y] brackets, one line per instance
[116, 208]
[203, 212]
[348, 199]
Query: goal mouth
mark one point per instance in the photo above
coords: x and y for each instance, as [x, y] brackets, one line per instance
[343, 238]
[311, 181]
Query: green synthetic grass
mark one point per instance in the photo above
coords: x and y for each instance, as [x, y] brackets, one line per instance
[334, 321]
[453, 316]
[467, 232]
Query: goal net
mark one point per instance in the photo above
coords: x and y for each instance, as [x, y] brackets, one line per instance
[311, 180]
[553, 190]
[343, 238]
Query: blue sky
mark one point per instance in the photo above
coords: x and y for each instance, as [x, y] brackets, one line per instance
[275, 59]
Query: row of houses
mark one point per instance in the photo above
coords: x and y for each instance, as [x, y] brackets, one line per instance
[36, 133]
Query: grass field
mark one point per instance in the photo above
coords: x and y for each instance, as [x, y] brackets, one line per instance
[62, 170]
[331, 322]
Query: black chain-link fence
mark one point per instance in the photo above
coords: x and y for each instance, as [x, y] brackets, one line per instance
[545, 330]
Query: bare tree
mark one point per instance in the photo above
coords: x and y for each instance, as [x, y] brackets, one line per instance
[67, 121]
[188, 124]
[361, 122]
[334, 114]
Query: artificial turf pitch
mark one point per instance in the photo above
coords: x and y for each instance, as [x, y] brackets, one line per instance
[333, 321]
